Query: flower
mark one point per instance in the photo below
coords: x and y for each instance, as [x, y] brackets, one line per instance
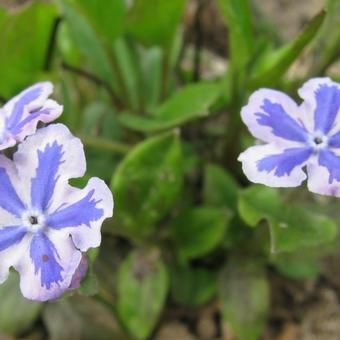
[20, 116]
[46, 224]
[294, 137]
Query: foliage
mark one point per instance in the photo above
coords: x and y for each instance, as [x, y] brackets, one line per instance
[187, 227]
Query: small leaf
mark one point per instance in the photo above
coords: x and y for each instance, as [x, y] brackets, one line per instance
[297, 265]
[142, 285]
[198, 231]
[87, 41]
[244, 298]
[80, 317]
[24, 36]
[291, 226]
[154, 22]
[147, 183]
[17, 314]
[237, 14]
[192, 287]
[220, 188]
[277, 63]
[187, 104]
[107, 17]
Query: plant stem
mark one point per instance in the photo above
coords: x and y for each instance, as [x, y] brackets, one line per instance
[104, 144]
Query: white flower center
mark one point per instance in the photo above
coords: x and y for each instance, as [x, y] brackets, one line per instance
[318, 141]
[33, 220]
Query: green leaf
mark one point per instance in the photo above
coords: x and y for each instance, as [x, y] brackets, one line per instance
[107, 17]
[142, 285]
[17, 314]
[297, 265]
[277, 63]
[154, 22]
[291, 226]
[187, 104]
[24, 36]
[198, 231]
[237, 14]
[85, 38]
[220, 188]
[80, 317]
[326, 45]
[244, 298]
[192, 287]
[147, 183]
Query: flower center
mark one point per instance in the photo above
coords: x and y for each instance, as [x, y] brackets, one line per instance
[33, 221]
[318, 140]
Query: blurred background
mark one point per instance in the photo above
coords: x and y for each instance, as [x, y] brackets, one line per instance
[154, 90]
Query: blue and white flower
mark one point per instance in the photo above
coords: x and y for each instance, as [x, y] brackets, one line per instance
[46, 224]
[19, 117]
[294, 137]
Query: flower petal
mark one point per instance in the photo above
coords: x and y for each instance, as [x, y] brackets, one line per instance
[83, 211]
[46, 270]
[324, 174]
[271, 166]
[9, 198]
[10, 236]
[272, 116]
[322, 97]
[52, 156]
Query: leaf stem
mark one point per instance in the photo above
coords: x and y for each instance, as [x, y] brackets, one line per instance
[104, 144]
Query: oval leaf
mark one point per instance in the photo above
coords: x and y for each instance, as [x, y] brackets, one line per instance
[147, 183]
[142, 285]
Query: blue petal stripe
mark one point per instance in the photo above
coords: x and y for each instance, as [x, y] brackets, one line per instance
[332, 162]
[10, 236]
[9, 199]
[285, 162]
[44, 182]
[23, 100]
[44, 257]
[33, 115]
[327, 105]
[80, 213]
[281, 123]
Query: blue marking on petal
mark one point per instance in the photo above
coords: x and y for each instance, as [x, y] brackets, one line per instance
[10, 236]
[283, 125]
[79, 213]
[43, 184]
[9, 199]
[44, 257]
[332, 162]
[285, 162]
[327, 105]
[18, 108]
[33, 115]
[334, 141]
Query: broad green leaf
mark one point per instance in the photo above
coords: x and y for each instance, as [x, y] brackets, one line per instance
[80, 317]
[87, 41]
[17, 314]
[291, 226]
[244, 298]
[198, 231]
[220, 188]
[192, 286]
[187, 104]
[154, 22]
[147, 183]
[276, 64]
[24, 36]
[297, 265]
[237, 14]
[142, 285]
[106, 16]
